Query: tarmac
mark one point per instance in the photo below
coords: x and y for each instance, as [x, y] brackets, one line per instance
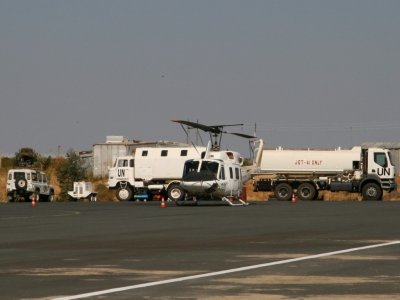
[267, 250]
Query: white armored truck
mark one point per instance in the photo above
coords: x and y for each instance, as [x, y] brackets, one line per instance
[368, 171]
[151, 171]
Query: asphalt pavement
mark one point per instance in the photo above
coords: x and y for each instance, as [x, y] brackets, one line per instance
[267, 250]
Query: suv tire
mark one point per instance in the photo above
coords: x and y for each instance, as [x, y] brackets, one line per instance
[21, 184]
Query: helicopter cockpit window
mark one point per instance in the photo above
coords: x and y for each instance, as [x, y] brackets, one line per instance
[190, 166]
[210, 166]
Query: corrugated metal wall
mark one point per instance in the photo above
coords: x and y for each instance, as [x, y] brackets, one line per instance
[104, 156]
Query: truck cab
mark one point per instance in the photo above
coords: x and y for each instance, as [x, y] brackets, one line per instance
[122, 176]
[378, 165]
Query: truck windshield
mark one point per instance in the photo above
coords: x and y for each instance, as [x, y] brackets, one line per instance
[123, 163]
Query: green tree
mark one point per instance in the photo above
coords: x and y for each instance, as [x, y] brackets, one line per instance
[69, 170]
[26, 157]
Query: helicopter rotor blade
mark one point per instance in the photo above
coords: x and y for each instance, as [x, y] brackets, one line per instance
[215, 131]
[203, 127]
[243, 135]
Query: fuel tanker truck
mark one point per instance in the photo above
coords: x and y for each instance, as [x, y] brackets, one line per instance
[288, 172]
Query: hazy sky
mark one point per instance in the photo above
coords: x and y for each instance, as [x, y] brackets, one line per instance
[308, 73]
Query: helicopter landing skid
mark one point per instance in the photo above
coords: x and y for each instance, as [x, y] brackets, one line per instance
[231, 201]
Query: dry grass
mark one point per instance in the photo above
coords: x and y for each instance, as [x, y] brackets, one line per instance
[103, 193]
[3, 185]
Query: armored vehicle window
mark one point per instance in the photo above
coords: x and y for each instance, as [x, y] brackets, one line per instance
[380, 159]
[132, 163]
[39, 177]
[184, 152]
[44, 178]
[123, 163]
[164, 153]
[145, 152]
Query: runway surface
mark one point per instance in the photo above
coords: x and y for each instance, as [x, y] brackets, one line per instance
[269, 250]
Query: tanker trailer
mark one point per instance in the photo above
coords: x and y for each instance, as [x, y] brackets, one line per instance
[368, 171]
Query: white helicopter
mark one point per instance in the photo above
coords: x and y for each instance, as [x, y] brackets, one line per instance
[218, 174]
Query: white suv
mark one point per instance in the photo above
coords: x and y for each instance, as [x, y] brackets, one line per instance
[23, 183]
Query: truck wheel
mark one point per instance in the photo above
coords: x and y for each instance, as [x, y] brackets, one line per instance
[124, 194]
[176, 193]
[372, 191]
[306, 191]
[283, 192]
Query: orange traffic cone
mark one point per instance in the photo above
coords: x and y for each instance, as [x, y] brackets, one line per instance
[163, 205]
[293, 198]
[33, 203]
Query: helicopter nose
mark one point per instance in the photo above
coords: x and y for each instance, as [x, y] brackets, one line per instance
[199, 186]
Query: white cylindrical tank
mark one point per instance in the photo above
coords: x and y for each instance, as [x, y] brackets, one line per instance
[309, 161]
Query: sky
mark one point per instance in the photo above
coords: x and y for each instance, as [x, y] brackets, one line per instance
[310, 73]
